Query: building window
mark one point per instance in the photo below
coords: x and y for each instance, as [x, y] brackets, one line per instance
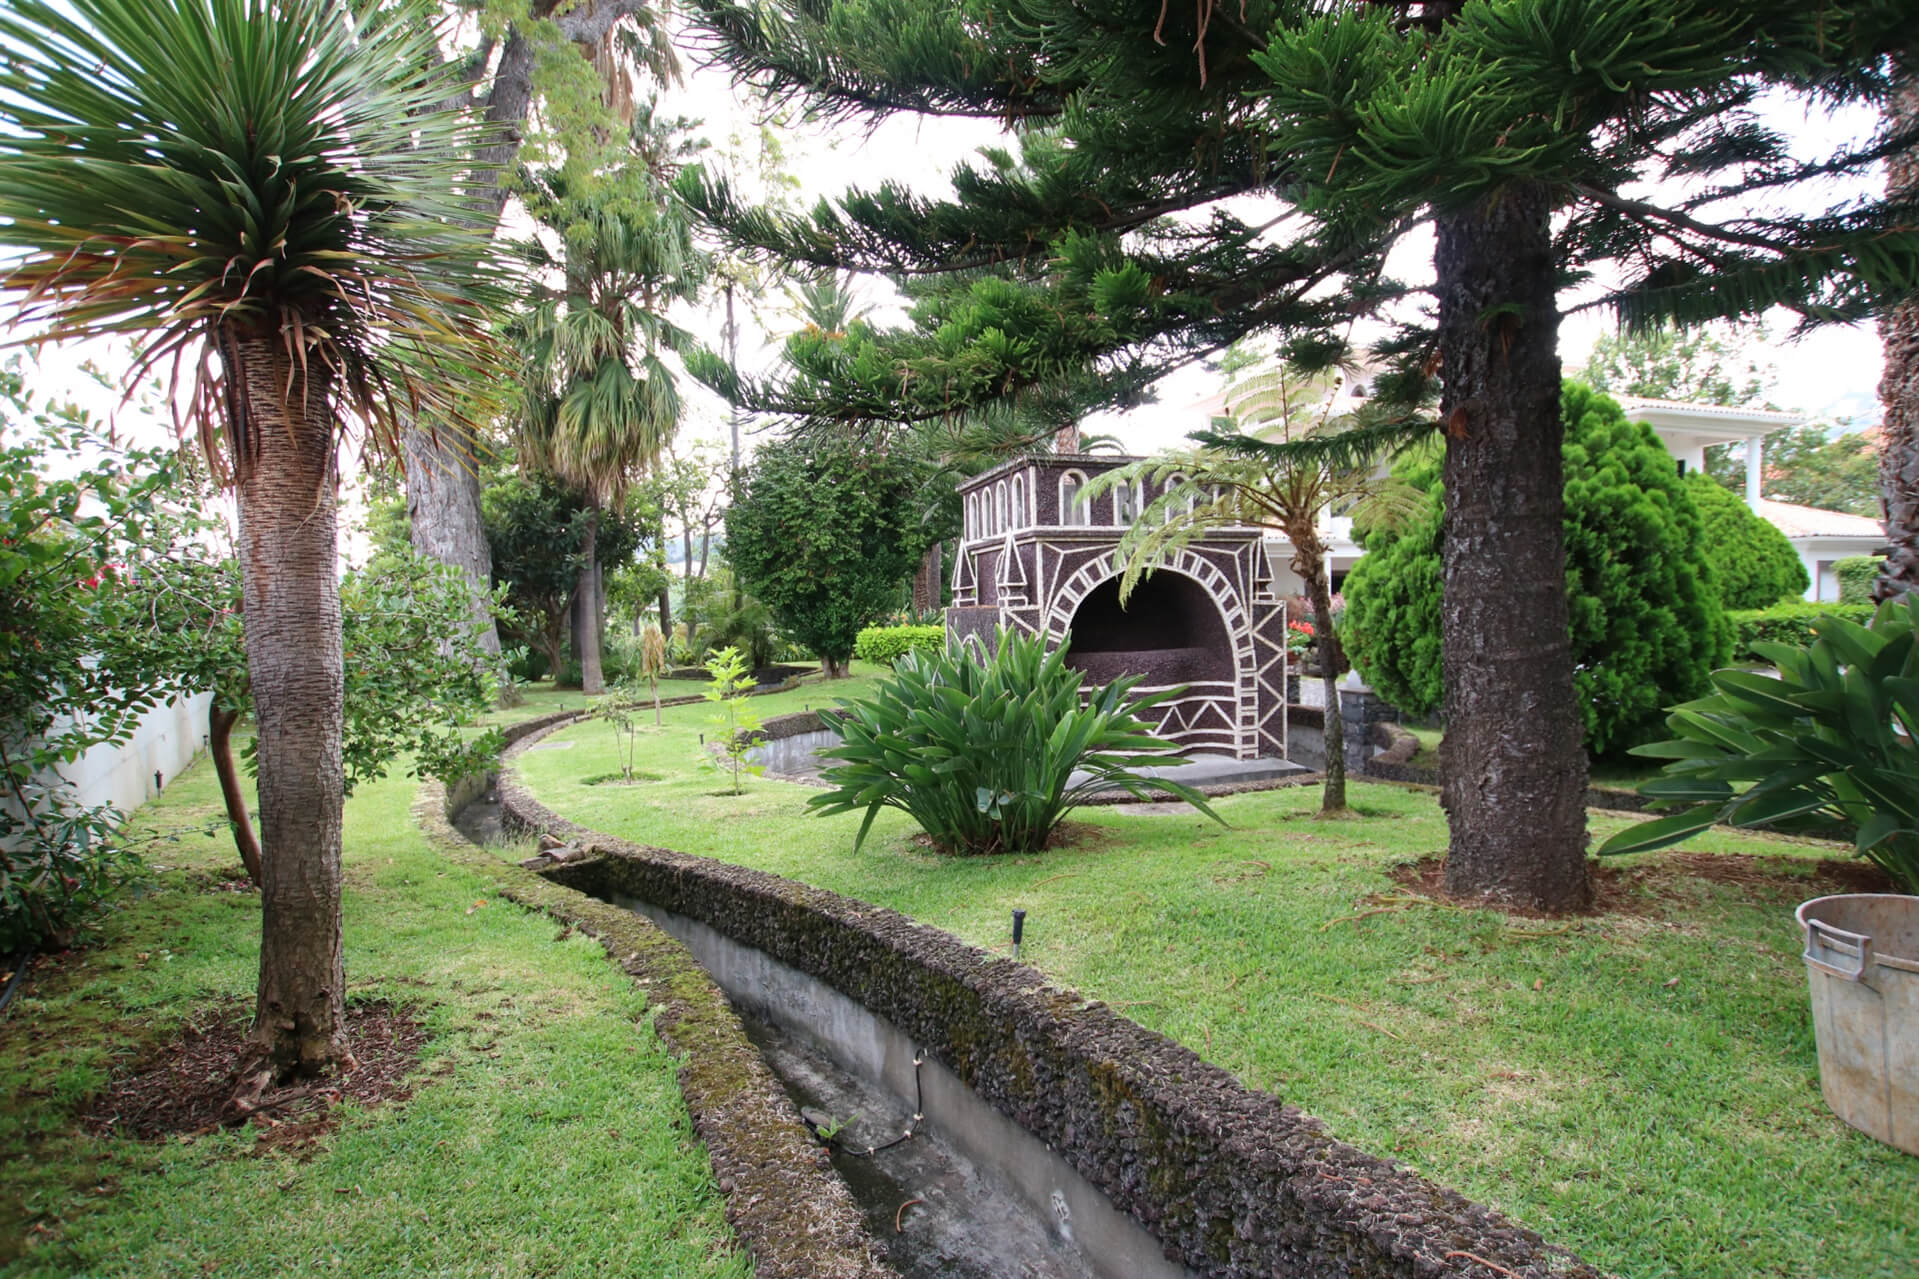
[1019, 503]
[1191, 499]
[1126, 503]
[1072, 507]
[999, 507]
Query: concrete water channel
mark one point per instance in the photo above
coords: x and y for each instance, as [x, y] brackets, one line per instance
[970, 1194]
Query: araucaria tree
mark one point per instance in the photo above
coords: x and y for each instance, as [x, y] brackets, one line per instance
[1532, 135]
[271, 194]
[825, 533]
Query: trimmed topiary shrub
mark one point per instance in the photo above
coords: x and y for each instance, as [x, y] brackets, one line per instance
[982, 753]
[1647, 624]
[885, 645]
[1856, 574]
[1794, 622]
[1754, 563]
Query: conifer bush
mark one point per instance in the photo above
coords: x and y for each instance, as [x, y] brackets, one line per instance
[1754, 563]
[982, 753]
[1647, 624]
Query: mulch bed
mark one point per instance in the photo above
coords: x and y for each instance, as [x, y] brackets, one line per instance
[195, 1084]
[1656, 888]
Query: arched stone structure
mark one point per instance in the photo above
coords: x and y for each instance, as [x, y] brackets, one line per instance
[1206, 619]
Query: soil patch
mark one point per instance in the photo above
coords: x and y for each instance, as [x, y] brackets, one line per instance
[1657, 890]
[196, 1083]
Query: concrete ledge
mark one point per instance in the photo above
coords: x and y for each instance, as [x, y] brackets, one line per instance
[1231, 1181]
[791, 1210]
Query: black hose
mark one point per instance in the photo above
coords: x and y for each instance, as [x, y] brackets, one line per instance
[21, 962]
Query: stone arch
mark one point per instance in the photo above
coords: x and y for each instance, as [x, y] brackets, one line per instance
[1216, 585]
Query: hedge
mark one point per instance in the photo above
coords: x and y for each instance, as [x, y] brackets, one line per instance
[1790, 623]
[884, 645]
[1856, 574]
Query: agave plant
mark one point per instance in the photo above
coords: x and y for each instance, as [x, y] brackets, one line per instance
[983, 754]
[1826, 747]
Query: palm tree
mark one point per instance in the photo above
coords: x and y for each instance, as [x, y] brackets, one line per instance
[599, 404]
[1255, 476]
[266, 194]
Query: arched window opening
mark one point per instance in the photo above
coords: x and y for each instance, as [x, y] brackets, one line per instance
[1019, 503]
[1072, 507]
[999, 507]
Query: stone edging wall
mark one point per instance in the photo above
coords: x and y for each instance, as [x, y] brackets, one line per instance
[1231, 1181]
[783, 1199]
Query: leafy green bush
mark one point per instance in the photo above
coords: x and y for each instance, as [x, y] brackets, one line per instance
[1826, 748]
[1856, 574]
[824, 532]
[73, 510]
[885, 645]
[981, 754]
[1789, 623]
[1754, 563]
[1647, 625]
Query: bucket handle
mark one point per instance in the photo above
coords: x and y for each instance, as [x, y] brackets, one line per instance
[1824, 942]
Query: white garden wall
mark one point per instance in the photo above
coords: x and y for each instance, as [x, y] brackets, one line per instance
[168, 739]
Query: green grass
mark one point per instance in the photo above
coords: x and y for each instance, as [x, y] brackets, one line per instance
[546, 1135]
[1639, 1086]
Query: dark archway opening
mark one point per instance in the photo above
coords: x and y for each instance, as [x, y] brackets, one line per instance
[1170, 631]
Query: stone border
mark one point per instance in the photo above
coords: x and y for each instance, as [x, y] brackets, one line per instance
[783, 1198]
[1231, 1181]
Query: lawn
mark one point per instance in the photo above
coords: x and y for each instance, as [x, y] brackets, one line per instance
[545, 1135]
[1640, 1084]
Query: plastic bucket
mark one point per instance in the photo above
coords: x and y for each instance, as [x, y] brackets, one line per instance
[1862, 958]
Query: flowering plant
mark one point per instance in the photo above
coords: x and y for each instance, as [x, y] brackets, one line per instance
[1299, 636]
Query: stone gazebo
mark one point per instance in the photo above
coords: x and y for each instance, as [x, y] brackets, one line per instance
[1037, 556]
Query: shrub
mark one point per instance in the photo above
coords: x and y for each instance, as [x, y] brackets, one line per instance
[981, 753]
[739, 727]
[885, 645]
[1856, 574]
[1647, 625]
[71, 514]
[1793, 622]
[1754, 563]
[824, 532]
[1825, 748]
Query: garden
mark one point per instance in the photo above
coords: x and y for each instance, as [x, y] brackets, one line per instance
[539, 679]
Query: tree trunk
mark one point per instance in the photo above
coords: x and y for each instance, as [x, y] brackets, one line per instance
[288, 557]
[1899, 387]
[1310, 563]
[220, 722]
[1514, 773]
[443, 512]
[666, 612]
[586, 610]
[926, 582]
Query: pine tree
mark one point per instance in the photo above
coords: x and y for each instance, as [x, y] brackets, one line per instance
[1514, 128]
